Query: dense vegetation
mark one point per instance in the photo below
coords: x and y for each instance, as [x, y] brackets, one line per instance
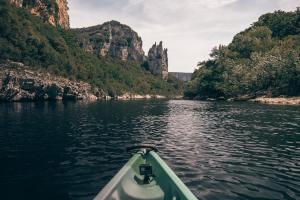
[27, 39]
[262, 60]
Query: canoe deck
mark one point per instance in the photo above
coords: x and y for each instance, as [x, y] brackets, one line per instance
[128, 184]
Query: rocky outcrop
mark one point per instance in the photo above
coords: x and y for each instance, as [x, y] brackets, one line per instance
[119, 41]
[17, 3]
[55, 12]
[111, 39]
[63, 18]
[277, 100]
[130, 96]
[19, 83]
[158, 61]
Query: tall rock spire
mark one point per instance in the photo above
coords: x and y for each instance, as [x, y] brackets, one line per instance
[158, 61]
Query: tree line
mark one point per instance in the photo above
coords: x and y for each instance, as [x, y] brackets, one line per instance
[264, 59]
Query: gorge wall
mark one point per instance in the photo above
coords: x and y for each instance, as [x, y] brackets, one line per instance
[111, 39]
[117, 40]
[55, 12]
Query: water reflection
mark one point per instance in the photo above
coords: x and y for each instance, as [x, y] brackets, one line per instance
[70, 150]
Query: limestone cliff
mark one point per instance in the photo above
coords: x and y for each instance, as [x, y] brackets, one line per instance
[20, 83]
[54, 12]
[17, 3]
[111, 39]
[158, 61]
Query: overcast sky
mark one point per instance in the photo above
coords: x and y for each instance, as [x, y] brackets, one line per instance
[188, 28]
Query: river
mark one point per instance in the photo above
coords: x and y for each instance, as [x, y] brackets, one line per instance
[221, 150]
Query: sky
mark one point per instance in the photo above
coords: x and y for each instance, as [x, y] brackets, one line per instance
[188, 28]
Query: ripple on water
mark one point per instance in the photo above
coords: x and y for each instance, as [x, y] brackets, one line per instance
[220, 150]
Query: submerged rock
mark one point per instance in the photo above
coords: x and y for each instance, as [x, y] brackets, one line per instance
[277, 100]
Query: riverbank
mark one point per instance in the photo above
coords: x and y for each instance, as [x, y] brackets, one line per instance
[260, 99]
[21, 83]
[277, 100]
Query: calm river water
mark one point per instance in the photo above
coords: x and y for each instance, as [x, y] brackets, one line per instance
[220, 150]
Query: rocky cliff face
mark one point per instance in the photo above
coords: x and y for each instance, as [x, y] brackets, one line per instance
[19, 83]
[17, 3]
[111, 39]
[54, 12]
[158, 61]
[119, 41]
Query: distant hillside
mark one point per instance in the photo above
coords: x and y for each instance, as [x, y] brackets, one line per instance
[182, 76]
[26, 38]
[262, 60]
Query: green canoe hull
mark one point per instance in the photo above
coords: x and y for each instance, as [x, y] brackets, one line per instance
[165, 185]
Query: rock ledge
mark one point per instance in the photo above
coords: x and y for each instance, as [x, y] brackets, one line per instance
[20, 83]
